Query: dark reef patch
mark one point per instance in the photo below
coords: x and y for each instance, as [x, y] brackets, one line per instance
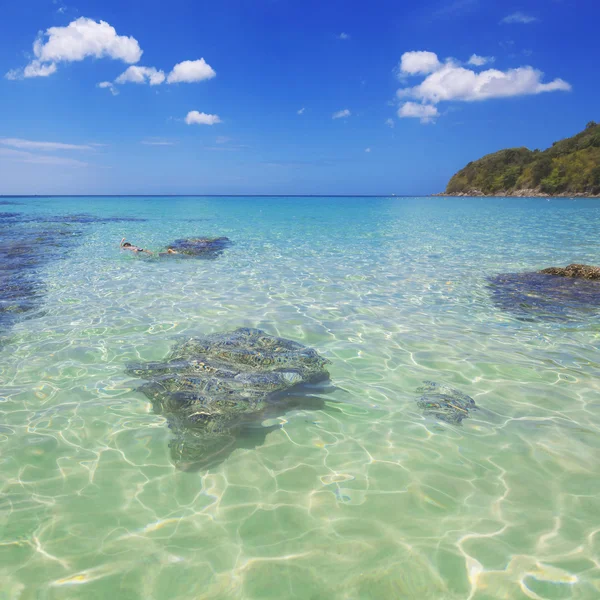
[84, 219]
[544, 296]
[23, 251]
[203, 247]
[210, 387]
[10, 216]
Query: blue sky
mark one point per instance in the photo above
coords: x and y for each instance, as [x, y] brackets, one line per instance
[282, 96]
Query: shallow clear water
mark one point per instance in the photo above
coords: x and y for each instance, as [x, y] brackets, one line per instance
[356, 494]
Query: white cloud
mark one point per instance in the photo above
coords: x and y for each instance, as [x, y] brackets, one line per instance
[157, 143]
[197, 118]
[108, 85]
[419, 62]
[367, 149]
[222, 139]
[449, 81]
[301, 111]
[479, 61]
[80, 39]
[452, 82]
[343, 36]
[390, 123]
[190, 71]
[518, 17]
[47, 146]
[83, 38]
[340, 114]
[426, 112]
[135, 74]
[40, 159]
[37, 69]
[34, 69]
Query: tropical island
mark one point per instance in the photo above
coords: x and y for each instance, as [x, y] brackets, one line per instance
[570, 167]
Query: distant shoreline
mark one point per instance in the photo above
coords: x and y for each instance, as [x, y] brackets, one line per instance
[217, 195]
[470, 194]
[515, 194]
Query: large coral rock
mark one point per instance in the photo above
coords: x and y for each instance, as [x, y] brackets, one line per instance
[574, 270]
[445, 403]
[212, 384]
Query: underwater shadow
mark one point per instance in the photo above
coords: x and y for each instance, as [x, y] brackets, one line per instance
[191, 450]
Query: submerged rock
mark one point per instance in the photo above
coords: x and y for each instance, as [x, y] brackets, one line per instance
[445, 403]
[203, 247]
[9, 216]
[545, 296]
[210, 385]
[574, 270]
[23, 253]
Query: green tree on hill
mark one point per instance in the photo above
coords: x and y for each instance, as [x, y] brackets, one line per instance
[569, 166]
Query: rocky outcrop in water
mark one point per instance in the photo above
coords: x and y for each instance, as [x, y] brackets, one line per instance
[542, 296]
[210, 385]
[444, 403]
[574, 270]
[203, 247]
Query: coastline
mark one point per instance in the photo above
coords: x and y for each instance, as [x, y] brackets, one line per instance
[515, 194]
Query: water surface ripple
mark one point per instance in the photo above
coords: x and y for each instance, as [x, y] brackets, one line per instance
[356, 495]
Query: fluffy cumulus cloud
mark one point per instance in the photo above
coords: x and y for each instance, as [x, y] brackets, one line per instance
[191, 71]
[199, 118]
[419, 62]
[34, 69]
[78, 40]
[340, 114]
[84, 38]
[188, 71]
[518, 17]
[38, 69]
[479, 61]
[450, 81]
[412, 110]
[135, 74]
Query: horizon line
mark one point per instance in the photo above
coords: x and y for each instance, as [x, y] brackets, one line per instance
[216, 195]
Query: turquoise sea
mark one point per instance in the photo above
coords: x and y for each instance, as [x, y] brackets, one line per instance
[351, 491]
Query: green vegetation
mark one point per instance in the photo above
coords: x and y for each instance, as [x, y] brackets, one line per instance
[570, 166]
